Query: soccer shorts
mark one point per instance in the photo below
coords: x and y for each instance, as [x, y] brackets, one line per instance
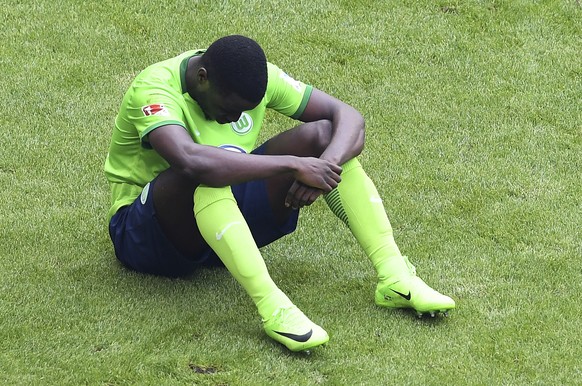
[141, 245]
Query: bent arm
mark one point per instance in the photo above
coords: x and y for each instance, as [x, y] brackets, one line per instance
[216, 167]
[347, 126]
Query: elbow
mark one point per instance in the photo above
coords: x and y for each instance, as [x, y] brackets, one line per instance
[197, 177]
[188, 172]
[198, 172]
[204, 176]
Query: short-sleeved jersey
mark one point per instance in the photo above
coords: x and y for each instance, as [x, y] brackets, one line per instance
[158, 97]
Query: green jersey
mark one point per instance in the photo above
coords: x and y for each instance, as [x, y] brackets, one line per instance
[158, 97]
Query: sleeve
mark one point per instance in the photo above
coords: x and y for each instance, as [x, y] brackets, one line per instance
[153, 105]
[285, 94]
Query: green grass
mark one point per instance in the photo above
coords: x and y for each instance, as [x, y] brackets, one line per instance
[474, 139]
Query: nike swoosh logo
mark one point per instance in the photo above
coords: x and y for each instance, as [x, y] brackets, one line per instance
[407, 297]
[297, 338]
[222, 232]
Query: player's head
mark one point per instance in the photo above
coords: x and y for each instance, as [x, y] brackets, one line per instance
[237, 65]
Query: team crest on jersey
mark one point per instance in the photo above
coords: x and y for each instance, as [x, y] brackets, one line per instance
[155, 109]
[243, 125]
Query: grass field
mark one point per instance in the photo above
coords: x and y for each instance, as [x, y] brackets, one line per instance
[474, 139]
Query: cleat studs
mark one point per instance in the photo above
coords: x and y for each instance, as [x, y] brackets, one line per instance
[432, 313]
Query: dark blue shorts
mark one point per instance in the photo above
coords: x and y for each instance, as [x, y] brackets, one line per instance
[141, 245]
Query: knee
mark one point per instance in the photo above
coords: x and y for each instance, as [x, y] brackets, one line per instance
[318, 137]
[309, 139]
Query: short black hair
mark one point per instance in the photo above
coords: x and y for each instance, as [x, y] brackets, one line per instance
[237, 64]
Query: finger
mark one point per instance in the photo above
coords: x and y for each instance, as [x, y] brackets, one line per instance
[313, 195]
[333, 183]
[300, 195]
[336, 169]
[306, 197]
[294, 194]
[330, 182]
[291, 194]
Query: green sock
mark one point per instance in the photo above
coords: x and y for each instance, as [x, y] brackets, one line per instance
[357, 203]
[224, 228]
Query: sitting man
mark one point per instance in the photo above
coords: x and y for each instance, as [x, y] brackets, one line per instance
[189, 188]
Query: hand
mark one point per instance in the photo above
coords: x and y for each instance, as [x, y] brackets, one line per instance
[301, 195]
[318, 173]
[314, 177]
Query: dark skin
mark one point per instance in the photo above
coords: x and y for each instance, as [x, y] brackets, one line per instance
[298, 166]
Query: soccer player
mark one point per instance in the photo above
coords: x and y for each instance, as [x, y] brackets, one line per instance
[189, 189]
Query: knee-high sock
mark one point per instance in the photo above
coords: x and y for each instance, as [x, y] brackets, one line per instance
[357, 203]
[224, 228]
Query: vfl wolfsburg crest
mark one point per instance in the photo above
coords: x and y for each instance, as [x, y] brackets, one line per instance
[243, 125]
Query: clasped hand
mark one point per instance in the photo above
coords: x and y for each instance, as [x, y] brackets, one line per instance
[313, 178]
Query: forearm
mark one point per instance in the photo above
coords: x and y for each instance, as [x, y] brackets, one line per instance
[217, 167]
[348, 137]
[213, 166]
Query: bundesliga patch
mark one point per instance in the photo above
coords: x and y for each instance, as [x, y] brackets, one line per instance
[155, 109]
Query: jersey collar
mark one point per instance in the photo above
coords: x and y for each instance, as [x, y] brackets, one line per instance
[184, 66]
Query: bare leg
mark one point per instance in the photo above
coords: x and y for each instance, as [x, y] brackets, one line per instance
[306, 140]
[173, 201]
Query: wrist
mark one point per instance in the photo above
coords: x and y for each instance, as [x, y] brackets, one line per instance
[333, 158]
[292, 164]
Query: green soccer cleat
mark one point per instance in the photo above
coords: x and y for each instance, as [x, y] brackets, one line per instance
[290, 327]
[412, 292]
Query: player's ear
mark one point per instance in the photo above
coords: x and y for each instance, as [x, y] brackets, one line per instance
[202, 75]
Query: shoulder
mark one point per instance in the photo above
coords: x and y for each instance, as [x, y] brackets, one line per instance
[279, 78]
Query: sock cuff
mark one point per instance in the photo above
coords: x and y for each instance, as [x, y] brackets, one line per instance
[206, 195]
[350, 165]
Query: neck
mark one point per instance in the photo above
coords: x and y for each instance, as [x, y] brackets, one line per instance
[191, 75]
